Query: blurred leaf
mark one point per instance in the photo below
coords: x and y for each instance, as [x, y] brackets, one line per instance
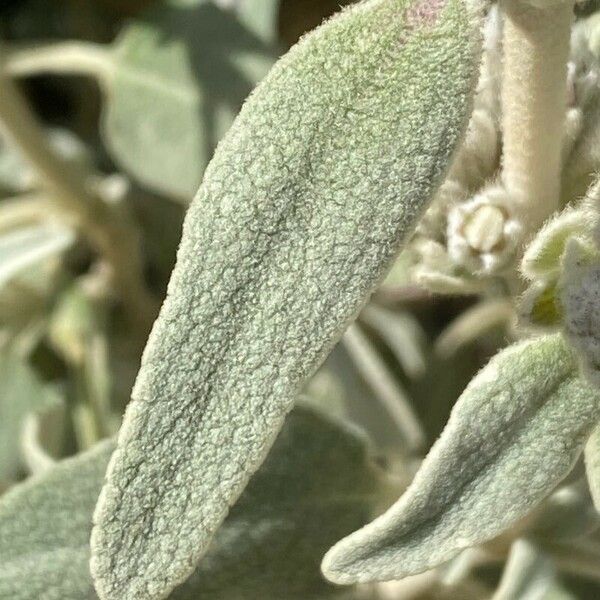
[260, 17]
[22, 210]
[402, 333]
[474, 322]
[339, 389]
[24, 302]
[43, 437]
[568, 514]
[514, 434]
[179, 76]
[73, 323]
[316, 485]
[17, 175]
[21, 393]
[386, 387]
[22, 248]
[14, 174]
[529, 575]
[77, 332]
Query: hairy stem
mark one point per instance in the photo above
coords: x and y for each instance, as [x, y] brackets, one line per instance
[536, 51]
[108, 229]
[61, 58]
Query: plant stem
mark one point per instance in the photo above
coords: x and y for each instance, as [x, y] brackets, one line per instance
[107, 228]
[61, 58]
[536, 51]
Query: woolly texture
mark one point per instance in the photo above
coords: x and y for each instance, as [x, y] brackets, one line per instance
[514, 434]
[321, 178]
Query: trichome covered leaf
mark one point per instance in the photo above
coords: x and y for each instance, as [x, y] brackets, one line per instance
[512, 437]
[302, 210]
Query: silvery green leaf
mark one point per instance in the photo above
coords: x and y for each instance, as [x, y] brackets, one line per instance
[21, 392]
[178, 76]
[304, 207]
[317, 484]
[592, 465]
[514, 434]
[20, 249]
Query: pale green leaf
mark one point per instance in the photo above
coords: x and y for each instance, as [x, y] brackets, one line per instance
[317, 484]
[304, 207]
[178, 77]
[21, 392]
[514, 434]
[22, 248]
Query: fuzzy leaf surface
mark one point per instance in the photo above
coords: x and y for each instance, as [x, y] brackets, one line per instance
[304, 207]
[514, 434]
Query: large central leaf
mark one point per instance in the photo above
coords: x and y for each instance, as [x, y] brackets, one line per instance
[307, 201]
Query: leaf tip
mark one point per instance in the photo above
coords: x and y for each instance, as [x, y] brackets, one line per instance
[356, 559]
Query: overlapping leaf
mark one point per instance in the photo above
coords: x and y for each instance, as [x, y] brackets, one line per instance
[317, 484]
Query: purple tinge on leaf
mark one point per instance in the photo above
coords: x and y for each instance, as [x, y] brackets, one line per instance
[424, 13]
